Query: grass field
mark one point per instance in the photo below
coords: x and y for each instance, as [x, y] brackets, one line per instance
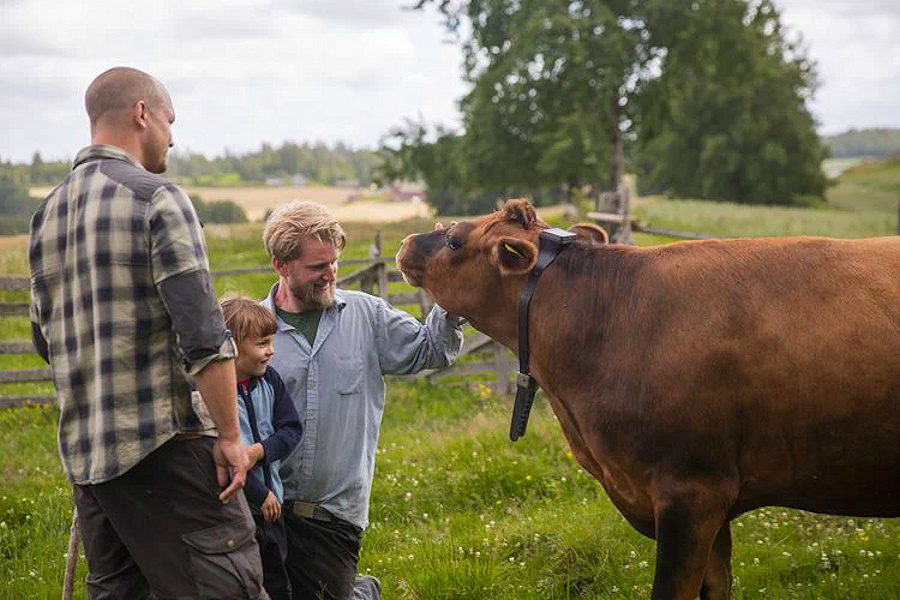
[459, 512]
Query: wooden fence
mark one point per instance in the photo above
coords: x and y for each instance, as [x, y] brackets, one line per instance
[481, 360]
[626, 223]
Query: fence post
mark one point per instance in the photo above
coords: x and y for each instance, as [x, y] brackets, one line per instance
[71, 559]
[368, 280]
[502, 366]
[381, 280]
[365, 284]
[425, 303]
[623, 198]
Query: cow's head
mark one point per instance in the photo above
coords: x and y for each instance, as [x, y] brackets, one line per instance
[476, 269]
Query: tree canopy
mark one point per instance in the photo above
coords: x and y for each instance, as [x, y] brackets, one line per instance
[705, 98]
[727, 116]
[315, 162]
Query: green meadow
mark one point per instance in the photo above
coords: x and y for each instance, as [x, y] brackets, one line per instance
[458, 511]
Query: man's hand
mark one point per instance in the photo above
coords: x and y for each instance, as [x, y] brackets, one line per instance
[231, 466]
[271, 510]
[216, 384]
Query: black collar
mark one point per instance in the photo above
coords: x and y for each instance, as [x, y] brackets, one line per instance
[552, 242]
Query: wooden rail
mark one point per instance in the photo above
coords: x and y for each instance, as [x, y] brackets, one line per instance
[16, 348]
[373, 277]
[20, 401]
[620, 220]
[26, 376]
[498, 366]
[13, 283]
[18, 283]
[10, 310]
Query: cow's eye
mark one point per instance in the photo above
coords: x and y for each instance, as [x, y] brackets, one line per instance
[453, 244]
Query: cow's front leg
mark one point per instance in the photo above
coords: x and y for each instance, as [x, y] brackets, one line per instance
[717, 582]
[686, 528]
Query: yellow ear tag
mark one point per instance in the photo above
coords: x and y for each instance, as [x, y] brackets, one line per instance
[513, 250]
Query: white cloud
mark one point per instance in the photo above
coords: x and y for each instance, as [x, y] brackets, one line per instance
[239, 71]
[245, 71]
[356, 13]
[856, 44]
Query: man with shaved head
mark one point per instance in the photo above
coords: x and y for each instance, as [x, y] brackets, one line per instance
[124, 312]
[132, 110]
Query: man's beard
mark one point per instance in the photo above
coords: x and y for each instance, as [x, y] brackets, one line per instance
[313, 296]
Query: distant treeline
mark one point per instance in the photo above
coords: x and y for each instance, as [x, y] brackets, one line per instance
[316, 163]
[289, 163]
[15, 207]
[864, 142]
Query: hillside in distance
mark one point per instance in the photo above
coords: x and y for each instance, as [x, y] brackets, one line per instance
[864, 142]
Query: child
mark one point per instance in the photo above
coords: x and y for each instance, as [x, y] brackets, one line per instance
[269, 427]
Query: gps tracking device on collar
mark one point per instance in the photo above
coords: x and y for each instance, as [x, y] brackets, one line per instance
[557, 236]
[552, 242]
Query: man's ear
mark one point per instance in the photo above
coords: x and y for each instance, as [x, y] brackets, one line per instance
[140, 113]
[514, 256]
[588, 232]
[278, 266]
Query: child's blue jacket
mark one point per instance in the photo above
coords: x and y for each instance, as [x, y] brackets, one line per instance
[267, 415]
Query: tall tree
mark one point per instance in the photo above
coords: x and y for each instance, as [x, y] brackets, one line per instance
[550, 84]
[727, 116]
[711, 90]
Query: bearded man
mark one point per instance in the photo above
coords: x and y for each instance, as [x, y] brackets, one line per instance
[332, 349]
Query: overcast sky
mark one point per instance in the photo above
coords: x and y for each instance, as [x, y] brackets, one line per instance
[241, 72]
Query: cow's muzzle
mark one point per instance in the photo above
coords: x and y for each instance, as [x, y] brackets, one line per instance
[409, 269]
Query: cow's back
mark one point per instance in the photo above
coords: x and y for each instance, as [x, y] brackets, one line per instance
[776, 362]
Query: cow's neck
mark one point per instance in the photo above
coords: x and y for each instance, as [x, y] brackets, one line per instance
[497, 317]
[572, 316]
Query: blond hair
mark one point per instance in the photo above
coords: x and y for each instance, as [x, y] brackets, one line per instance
[246, 318]
[291, 223]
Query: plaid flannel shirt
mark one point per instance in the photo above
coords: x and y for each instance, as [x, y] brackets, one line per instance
[101, 244]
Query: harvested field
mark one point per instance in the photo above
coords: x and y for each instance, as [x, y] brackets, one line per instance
[257, 200]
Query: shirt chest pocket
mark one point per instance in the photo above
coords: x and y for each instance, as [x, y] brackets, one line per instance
[348, 375]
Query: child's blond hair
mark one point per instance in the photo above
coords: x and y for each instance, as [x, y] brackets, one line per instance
[246, 318]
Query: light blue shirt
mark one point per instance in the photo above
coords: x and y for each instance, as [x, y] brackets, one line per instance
[337, 385]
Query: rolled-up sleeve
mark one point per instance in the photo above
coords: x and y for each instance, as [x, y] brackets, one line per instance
[407, 346]
[197, 319]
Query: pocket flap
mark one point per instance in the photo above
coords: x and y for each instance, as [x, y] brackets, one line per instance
[220, 539]
[348, 375]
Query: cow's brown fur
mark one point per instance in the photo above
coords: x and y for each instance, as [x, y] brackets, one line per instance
[699, 380]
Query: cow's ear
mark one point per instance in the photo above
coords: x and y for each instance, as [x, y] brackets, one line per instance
[514, 256]
[589, 232]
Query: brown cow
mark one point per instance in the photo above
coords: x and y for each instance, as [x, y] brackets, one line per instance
[699, 380]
